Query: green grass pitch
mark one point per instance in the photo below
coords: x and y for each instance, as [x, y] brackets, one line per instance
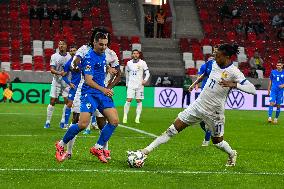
[27, 153]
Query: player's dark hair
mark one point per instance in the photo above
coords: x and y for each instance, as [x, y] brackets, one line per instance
[135, 50]
[104, 34]
[72, 46]
[229, 50]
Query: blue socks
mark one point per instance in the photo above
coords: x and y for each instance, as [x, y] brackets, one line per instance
[277, 113]
[67, 114]
[71, 133]
[207, 135]
[94, 119]
[106, 134]
[270, 110]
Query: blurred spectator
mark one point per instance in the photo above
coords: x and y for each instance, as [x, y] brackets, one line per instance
[253, 73]
[66, 13]
[158, 82]
[259, 27]
[149, 25]
[256, 62]
[166, 81]
[186, 83]
[280, 34]
[17, 80]
[54, 13]
[236, 12]
[44, 12]
[34, 12]
[160, 18]
[241, 29]
[249, 27]
[225, 12]
[277, 20]
[76, 14]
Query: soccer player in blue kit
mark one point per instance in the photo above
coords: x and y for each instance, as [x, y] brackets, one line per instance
[275, 90]
[75, 80]
[94, 96]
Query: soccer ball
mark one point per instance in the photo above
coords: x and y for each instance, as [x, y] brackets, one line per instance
[135, 159]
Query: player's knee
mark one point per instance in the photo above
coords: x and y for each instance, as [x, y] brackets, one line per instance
[114, 121]
[83, 124]
[216, 140]
[278, 106]
[272, 103]
[69, 104]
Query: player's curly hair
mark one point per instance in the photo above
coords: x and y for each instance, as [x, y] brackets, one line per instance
[94, 35]
[229, 50]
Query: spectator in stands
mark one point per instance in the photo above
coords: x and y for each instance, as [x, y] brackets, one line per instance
[259, 27]
[158, 82]
[160, 18]
[249, 27]
[34, 12]
[54, 13]
[253, 73]
[149, 25]
[241, 29]
[280, 34]
[76, 14]
[236, 12]
[256, 62]
[186, 93]
[44, 12]
[225, 12]
[277, 20]
[4, 79]
[66, 13]
[166, 81]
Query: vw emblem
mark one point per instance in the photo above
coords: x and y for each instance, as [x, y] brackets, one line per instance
[168, 97]
[235, 99]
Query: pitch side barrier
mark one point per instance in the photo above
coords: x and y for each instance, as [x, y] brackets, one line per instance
[37, 93]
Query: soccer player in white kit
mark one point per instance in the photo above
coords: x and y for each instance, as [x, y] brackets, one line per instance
[210, 104]
[58, 86]
[134, 72]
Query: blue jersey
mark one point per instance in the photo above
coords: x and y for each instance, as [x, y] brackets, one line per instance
[277, 78]
[75, 75]
[206, 70]
[95, 65]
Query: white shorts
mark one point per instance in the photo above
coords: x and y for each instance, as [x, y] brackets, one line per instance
[137, 93]
[98, 113]
[215, 122]
[58, 88]
[77, 102]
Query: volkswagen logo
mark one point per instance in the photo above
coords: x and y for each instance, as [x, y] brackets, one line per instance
[168, 97]
[235, 100]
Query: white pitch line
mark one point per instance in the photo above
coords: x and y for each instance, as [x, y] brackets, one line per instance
[123, 126]
[138, 130]
[77, 136]
[142, 171]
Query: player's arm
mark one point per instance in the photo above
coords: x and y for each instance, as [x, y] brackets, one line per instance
[89, 81]
[269, 83]
[195, 83]
[52, 67]
[147, 74]
[65, 75]
[115, 79]
[126, 75]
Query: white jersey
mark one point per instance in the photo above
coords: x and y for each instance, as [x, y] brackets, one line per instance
[58, 62]
[134, 73]
[112, 61]
[213, 97]
[82, 51]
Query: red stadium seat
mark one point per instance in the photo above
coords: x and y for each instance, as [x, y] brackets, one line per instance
[251, 37]
[5, 57]
[191, 71]
[4, 50]
[16, 66]
[135, 39]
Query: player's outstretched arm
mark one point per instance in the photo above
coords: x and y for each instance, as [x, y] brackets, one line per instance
[245, 85]
[53, 71]
[195, 83]
[115, 79]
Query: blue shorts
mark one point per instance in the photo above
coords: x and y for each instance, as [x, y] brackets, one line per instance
[276, 96]
[91, 102]
[71, 94]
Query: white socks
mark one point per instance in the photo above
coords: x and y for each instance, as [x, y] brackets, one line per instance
[224, 146]
[126, 108]
[63, 114]
[165, 137]
[89, 126]
[138, 110]
[50, 110]
[70, 145]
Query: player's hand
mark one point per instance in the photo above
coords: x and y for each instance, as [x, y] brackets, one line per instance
[268, 93]
[281, 86]
[190, 88]
[225, 83]
[144, 82]
[62, 73]
[72, 85]
[112, 71]
[108, 92]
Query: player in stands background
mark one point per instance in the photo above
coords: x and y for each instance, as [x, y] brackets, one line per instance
[275, 90]
[73, 84]
[210, 105]
[134, 72]
[58, 86]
